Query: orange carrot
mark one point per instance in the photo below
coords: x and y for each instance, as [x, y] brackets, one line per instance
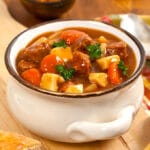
[70, 36]
[32, 75]
[49, 62]
[114, 74]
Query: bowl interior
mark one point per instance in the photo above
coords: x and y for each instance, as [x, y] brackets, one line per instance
[25, 37]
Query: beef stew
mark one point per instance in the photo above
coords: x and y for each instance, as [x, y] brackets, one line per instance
[76, 60]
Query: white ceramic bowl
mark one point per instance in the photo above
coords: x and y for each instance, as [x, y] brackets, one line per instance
[70, 117]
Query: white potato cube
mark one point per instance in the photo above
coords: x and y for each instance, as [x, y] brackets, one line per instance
[63, 53]
[99, 78]
[50, 81]
[78, 88]
[105, 61]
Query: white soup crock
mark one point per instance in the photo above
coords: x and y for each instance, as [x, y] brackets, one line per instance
[69, 117]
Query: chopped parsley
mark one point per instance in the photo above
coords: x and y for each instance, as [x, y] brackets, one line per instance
[123, 68]
[94, 51]
[66, 73]
[59, 44]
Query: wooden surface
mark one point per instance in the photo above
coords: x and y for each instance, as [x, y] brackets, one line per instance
[135, 139]
[84, 9]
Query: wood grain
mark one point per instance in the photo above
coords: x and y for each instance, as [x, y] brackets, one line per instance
[135, 139]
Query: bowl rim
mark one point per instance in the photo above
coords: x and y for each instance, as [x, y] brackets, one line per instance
[17, 77]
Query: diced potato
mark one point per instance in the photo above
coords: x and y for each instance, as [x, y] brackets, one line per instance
[105, 61]
[99, 78]
[40, 40]
[103, 47]
[78, 88]
[63, 53]
[90, 88]
[102, 39]
[50, 81]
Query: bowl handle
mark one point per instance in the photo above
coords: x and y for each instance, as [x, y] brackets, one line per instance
[84, 131]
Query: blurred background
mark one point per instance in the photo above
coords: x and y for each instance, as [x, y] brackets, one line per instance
[82, 9]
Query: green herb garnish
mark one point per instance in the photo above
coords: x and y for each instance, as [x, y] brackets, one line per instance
[94, 51]
[123, 68]
[59, 44]
[66, 73]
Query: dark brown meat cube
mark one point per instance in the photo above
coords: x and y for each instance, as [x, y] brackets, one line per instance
[65, 85]
[81, 63]
[24, 65]
[82, 43]
[34, 53]
[117, 48]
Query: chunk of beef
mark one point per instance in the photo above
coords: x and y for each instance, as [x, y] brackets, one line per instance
[82, 43]
[81, 63]
[24, 65]
[117, 48]
[34, 53]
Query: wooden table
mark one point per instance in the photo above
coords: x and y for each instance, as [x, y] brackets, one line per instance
[83, 9]
[139, 134]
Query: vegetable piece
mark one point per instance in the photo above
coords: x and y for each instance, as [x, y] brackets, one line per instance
[94, 51]
[63, 53]
[70, 36]
[66, 73]
[103, 49]
[59, 44]
[113, 73]
[32, 75]
[123, 68]
[105, 61]
[49, 62]
[90, 88]
[65, 85]
[40, 40]
[78, 88]
[99, 78]
[102, 39]
[50, 81]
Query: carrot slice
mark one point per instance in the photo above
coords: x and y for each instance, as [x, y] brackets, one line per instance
[49, 62]
[114, 74]
[32, 75]
[70, 36]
